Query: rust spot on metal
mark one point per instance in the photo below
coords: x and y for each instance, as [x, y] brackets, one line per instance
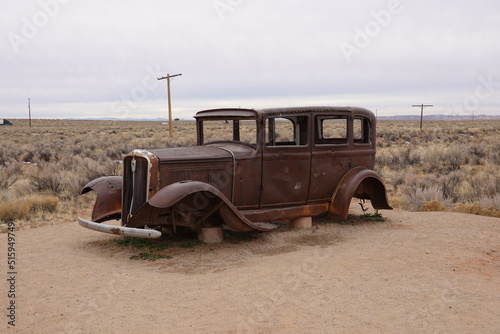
[115, 231]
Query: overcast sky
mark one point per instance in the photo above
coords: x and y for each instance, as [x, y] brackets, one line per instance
[81, 59]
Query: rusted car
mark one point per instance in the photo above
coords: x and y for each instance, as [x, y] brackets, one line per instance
[250, 168]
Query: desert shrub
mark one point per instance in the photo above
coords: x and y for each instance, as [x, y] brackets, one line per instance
[43, 151]
[13, 210]
[90, 169]
[414, 180]
[66, 178]
[9, 174]
[26, 156]
[118, 149]
[409, 156]
[22, 187]
[448, 161]
[493, 201]
[494, 154]
[8, 153]
[445, 159]
[432, 159]
[184, 141]
[384, 158]
[455, 157]
[482, 184]
[22, 208]
[476, 209]
[398, 157]
[71, 184]
[42, 203]
[432, 206]
[450, 184]
[415, 198]
[396, 202]
[399, 178]
[46, 179]
[477, 152]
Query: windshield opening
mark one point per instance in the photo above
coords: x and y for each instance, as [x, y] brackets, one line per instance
[228, 130]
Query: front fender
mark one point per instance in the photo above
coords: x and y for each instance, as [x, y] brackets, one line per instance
[108, 203]
[193, 197]
[359, 182]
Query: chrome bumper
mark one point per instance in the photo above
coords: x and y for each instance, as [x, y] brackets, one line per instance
[120, 230]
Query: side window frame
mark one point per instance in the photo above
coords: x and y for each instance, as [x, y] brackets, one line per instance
[300, 125]
[235, 125]
[319, 135]
[362, 131]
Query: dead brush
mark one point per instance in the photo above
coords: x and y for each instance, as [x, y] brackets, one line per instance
[432, 206]
[46, 179]
[9, 174]
[453, 163]
[477, 209]
[25, 207]
[449, 163]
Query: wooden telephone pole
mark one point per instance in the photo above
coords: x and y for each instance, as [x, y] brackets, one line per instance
[422, 111]
[29, 110]
[168, 77]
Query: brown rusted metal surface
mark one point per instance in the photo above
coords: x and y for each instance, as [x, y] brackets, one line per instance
[361, 183]
[270, 165]
[192, 202]
[108, 203]
[280, 214]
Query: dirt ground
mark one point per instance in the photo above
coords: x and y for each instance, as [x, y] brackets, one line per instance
[414, 273]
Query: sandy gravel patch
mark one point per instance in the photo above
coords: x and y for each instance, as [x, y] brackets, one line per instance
[414, 273]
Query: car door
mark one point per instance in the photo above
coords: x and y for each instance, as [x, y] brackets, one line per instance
[286, 161]
[332, 154]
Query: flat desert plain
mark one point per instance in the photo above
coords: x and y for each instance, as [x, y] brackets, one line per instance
[434, 272]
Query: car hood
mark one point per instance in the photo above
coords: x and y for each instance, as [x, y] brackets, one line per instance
[191, 153]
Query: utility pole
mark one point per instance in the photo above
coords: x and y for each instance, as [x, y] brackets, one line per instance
[29, 110]
[422, 111]
[168, 78]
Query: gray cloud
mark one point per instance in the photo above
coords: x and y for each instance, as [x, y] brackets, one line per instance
[78, 58]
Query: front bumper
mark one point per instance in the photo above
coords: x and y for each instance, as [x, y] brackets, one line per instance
[120, 230]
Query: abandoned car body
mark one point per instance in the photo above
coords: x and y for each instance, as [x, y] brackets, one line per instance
[249, 169]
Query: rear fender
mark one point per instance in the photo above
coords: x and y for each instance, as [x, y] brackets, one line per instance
[362, 183]
[108, 203]
[196, 201]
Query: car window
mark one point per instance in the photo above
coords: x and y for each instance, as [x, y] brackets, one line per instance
[331, 130]
[361, 130]
[230, 130]
[286, 131]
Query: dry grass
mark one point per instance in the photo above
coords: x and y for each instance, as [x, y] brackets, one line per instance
[58, 157]
[450, 165]
[22, 208]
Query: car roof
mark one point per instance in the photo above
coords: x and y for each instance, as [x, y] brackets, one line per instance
[258, 113]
